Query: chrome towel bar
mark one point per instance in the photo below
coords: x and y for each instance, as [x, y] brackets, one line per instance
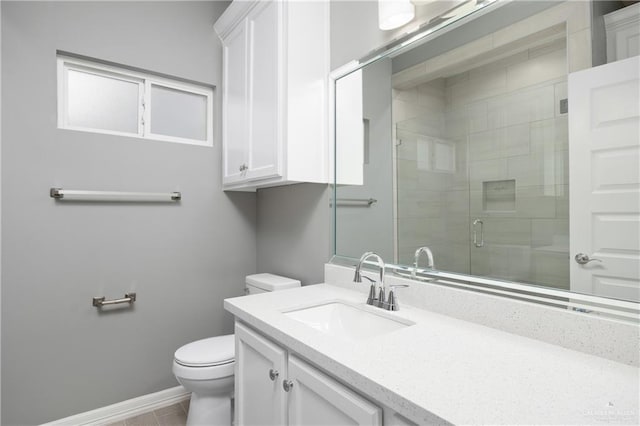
[99, 302]
[78, 195]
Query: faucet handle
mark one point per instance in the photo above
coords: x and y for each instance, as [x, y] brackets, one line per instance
[392, 301]
[371, 299]
[371, 280]
[381, 298]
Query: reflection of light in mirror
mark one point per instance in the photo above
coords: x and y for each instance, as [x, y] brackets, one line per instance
[394, 13]
[461, 10]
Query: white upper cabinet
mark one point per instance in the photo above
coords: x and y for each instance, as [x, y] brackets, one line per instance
[274, 93]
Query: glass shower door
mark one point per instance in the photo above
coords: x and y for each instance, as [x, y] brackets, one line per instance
[482, 168]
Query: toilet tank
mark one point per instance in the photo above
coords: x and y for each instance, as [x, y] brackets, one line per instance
[264, 283]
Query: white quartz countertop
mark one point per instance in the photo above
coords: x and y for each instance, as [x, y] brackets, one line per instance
[443, 369]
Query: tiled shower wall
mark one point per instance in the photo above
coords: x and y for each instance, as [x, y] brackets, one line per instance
[488, 144]
[432, 199]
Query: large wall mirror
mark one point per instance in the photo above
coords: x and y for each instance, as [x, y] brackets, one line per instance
[467, 140]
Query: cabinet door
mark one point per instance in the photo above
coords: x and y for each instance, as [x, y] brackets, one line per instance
[317, 399]
[234, 104]
[265, 53]
[259, 397]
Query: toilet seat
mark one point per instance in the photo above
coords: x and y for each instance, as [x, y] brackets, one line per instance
[208, 352]
[213, 364]
[203, 373]
[206, 359]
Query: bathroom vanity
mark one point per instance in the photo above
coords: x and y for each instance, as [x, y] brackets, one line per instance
[428, 368]
[531, 316]
[295, 390]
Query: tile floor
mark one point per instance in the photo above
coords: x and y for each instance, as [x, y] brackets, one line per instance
[173, 415]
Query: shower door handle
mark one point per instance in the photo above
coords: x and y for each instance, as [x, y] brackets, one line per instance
[475, 233]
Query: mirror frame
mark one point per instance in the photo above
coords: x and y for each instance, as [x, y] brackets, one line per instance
[563, 299]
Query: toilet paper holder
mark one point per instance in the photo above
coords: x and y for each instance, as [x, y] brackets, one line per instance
[99, 302]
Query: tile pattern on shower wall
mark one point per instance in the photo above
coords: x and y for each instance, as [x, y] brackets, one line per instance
[520, 134]
[432, 192]
[504, 123]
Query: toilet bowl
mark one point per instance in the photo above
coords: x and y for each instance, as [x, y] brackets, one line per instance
[206, 367]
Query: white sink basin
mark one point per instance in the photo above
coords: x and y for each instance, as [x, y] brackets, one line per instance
[346, 321]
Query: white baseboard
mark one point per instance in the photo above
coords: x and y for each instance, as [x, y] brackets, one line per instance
[125, 409]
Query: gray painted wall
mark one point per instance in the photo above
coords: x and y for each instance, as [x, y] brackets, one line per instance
[353, 38]
[59, 355]
[294, 231]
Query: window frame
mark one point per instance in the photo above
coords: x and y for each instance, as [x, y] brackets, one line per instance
[144, 81]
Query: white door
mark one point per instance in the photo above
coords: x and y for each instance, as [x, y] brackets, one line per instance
[265, 84]
[260, 368]
[316, 399]
[234, 104]
[604, 148]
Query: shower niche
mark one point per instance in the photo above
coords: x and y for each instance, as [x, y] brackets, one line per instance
[499, 196]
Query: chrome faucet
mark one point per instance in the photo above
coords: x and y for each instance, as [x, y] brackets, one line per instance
[416, 258]
[357, 278]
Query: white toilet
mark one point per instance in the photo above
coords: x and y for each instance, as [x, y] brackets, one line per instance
[206, 367]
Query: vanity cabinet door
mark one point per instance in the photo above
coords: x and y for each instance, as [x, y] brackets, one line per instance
[317, 399]
[260, 369]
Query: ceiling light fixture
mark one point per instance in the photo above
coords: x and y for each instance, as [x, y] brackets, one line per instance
[394, 13]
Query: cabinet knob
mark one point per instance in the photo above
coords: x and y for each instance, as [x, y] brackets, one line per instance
[273, 374]
[287, 385]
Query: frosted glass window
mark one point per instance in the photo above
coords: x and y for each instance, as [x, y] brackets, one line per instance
[445, 157]
[103, 98]
[178, 113]
[102, 102]
[423, 154]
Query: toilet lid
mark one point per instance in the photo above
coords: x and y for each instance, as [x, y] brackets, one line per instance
[207, 352]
